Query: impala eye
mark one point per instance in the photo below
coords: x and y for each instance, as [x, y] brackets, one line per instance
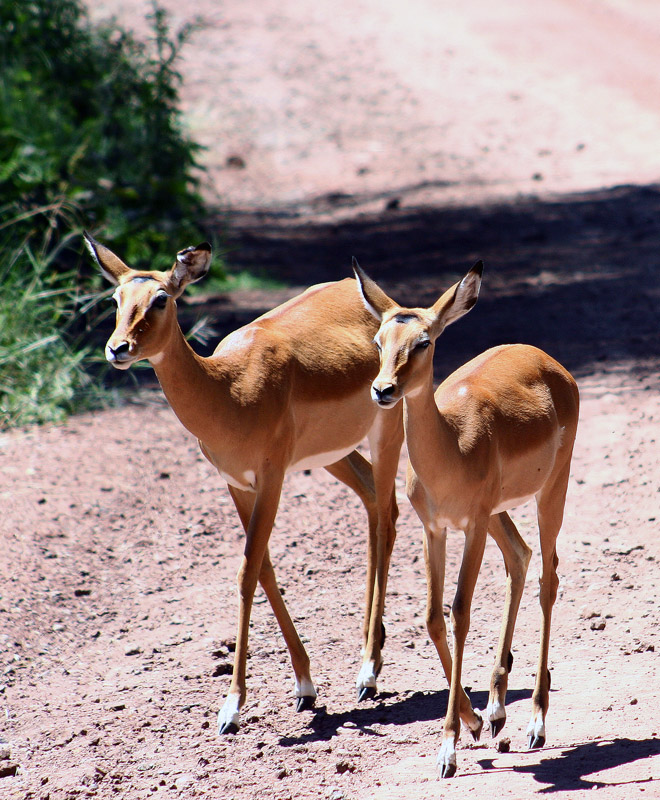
[423, 344]
[160, 300]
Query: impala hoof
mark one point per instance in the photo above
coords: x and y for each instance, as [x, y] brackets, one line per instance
[447, 770]
[476, 732]
[228, 727]
[496, 726]
[366, 693]
[305, 703]
[535, 742]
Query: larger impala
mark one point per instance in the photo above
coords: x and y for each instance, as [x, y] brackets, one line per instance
[287, 392]
[498, 431]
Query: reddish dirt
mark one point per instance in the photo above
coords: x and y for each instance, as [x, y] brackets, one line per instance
[417, 141]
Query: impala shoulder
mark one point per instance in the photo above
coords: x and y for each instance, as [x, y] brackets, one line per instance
[254, 341]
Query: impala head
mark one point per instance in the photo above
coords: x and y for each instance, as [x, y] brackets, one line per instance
[406, 337]
[146, 307]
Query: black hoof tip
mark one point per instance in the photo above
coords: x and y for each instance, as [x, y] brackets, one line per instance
[496, 726]
[366, 693]
[228, 727]
[448, 770]
[476, 733]
[535, 742]
[305, 703]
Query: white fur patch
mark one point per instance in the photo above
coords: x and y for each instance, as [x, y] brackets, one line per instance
[321, 459]
[536, 727]
[447, 753]
[366, 678]
[305, 688]
[367, 304]
[246, 481]
[107, 275]
[518, 501]
[495, 711]
[229, 713]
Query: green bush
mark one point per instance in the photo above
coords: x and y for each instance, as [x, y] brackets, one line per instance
[90, 114]
[42, 373]
[90, 136]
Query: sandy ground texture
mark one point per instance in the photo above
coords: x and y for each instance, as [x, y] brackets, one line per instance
[418, 137]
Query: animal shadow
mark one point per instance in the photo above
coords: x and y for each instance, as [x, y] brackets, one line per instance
[391, 709]
[567, 772]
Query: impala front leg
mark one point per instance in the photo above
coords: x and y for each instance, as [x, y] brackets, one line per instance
[259, 528]
[473, 552]
[385, 441]
[435, 546]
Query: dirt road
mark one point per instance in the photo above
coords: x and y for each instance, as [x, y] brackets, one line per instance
[418, 137]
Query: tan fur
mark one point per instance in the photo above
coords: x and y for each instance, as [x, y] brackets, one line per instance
[291, 387]
[498, 431]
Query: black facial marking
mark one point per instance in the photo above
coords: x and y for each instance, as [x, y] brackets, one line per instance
[141, 279]
[403, 319]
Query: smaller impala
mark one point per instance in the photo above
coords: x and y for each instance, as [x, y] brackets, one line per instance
[498, 431]
[289, 391]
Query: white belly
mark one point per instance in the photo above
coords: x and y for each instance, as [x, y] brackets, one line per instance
[320, 459]
[246, 481]
[517, 501]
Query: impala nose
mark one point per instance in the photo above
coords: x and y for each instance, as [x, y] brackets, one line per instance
[117, 353]
[383, 395]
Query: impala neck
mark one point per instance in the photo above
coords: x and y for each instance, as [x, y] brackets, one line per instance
[431, 441]
[193, 393]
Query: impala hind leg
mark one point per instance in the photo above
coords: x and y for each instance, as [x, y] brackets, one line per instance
[435, 559]
[550, 511]
[516, 556]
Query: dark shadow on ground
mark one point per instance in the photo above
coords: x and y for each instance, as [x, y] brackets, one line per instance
[390, 709]
[568, 770]
[577, 276]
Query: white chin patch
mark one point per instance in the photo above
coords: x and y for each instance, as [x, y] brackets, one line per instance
[123, 365]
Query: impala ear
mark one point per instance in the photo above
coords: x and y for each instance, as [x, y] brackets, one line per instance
[111, 265]
[191, 266]
[373, 297]
[458, 300]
